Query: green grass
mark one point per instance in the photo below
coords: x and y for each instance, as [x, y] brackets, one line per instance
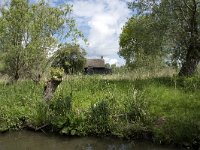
[18, 102]
[165, 109]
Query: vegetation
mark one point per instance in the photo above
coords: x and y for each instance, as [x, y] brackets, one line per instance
[141, 44]
[69, 57]
[129, 103]
[163, 109]
[164, 28]
[30, 32]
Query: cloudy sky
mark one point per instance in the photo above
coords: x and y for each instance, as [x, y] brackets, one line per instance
[101, 22]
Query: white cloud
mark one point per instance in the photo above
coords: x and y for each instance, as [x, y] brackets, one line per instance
[111, 61]
[103, 20]
[5, 4]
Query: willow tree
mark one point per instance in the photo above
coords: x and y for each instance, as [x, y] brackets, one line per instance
[30, 31]
[179, 21]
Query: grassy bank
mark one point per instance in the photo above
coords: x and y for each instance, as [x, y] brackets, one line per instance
[164, 109]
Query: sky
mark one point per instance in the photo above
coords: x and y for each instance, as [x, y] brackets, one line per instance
[101, 21]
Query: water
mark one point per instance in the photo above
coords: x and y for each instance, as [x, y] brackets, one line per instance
[25, 140]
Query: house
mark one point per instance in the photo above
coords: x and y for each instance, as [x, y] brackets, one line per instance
[96, 66]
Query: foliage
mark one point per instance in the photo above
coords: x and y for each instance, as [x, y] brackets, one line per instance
[165, 109]
[137, 108]
[178, 22]
[19, 103]
[59, 112]
[30, 31]
[56, 74]
[76, 125]
[140, 43]
[69, 57]
[100, 118]
[176, 110]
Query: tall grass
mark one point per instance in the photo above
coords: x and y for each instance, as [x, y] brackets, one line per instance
[18, 102]
[141, 73]
[165, 109]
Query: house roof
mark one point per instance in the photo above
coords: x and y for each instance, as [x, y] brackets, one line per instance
[99, 63]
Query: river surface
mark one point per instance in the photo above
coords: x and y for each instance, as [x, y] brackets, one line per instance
[26, 140]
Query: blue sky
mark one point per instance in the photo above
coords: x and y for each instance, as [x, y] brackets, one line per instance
[101, 22]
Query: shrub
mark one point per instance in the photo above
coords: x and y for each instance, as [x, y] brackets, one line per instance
[59, 110]
[99, 117]
[137, 107]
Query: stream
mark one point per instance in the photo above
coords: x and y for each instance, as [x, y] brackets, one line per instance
[27, 140]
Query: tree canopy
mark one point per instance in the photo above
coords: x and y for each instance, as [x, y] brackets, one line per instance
[28, 31]
[174, 27]
[140, 45]
[70, 57]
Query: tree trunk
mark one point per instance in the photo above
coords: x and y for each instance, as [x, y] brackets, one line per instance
[50, 88]
[16, 61]
[189, 67]
[16, 77]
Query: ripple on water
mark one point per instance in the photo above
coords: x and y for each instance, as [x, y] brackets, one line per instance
[26, 140]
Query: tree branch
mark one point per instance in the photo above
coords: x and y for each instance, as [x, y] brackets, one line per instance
[187, 5]
[183, 13]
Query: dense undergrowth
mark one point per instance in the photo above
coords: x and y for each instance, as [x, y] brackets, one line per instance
[164, 109]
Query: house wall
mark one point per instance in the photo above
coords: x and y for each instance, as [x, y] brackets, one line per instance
[94, 70]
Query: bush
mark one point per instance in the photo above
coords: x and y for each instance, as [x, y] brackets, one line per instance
[99, 118]
[56, 73]
[60, 110]
[137, 107]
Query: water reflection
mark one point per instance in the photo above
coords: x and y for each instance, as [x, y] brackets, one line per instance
[108, 147]
[25, 140]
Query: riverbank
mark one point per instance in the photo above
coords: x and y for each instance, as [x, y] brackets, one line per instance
[164, 109]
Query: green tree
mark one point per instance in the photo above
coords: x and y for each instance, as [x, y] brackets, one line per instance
[13, 23]
[139, 43]
[107, 65]
[29, 32]
[70, 57]
[179, 22]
